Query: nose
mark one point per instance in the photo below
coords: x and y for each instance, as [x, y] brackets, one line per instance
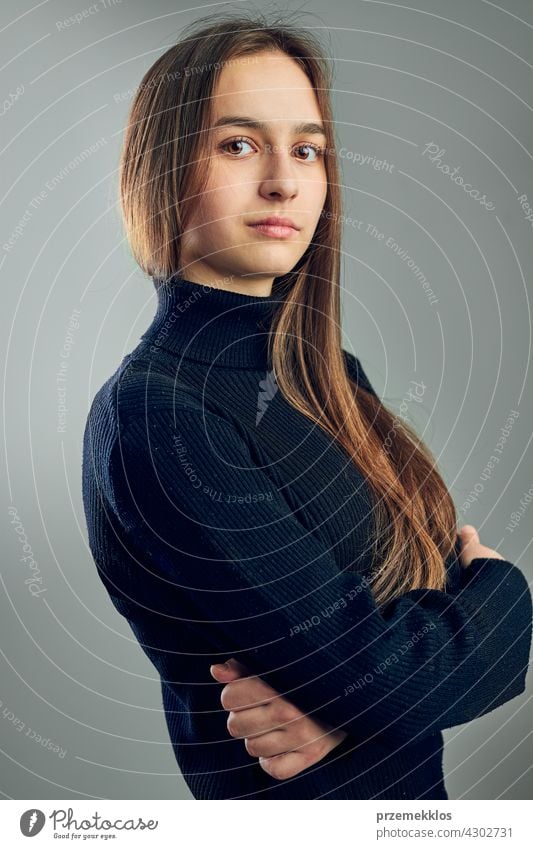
[279, 179]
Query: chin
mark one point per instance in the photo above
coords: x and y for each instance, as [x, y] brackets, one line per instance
[276, 259]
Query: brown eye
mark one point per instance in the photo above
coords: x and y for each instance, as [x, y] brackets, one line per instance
[317, 151]
[239, 141]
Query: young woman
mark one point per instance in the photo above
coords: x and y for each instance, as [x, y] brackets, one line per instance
[244, 497]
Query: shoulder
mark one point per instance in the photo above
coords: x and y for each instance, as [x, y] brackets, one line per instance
[153, 399]
[136, 393]
[142, 387]
[357, 372]
[142, 417]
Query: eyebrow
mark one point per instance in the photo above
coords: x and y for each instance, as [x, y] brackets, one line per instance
[306, 127]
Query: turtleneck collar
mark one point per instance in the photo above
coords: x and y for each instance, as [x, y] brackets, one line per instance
[211, 325]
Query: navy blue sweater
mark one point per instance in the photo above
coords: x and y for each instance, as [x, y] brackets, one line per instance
[224, 523]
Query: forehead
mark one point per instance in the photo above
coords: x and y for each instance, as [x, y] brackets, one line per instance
[268, 85]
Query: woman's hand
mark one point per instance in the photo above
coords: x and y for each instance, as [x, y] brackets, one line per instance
[285, 740]
[472, 548]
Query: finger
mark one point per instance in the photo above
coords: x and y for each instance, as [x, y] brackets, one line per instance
[285, 766]
[469, 534]
[240, 667]
[229, 671]
[224, 672]
[267, 745]
[245, 693]
[252, 722]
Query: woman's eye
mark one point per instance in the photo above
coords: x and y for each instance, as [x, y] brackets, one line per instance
[234, 142]
[315, 150]
[234, 148]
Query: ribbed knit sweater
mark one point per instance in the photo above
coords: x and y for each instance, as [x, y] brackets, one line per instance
[225, 523]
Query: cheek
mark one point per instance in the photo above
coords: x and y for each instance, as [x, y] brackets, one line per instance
[317, 192]
[222, 200]
[315, 187]
[211, 214]
[322, 186]
[216, 227]
[224, 178]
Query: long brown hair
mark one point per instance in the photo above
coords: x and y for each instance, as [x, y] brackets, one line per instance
[162, 171]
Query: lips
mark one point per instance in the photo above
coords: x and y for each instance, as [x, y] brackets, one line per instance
[275, 221]
[275, 227]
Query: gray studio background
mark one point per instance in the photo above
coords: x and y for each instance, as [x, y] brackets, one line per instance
[441, 297]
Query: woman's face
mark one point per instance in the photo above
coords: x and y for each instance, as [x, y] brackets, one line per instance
[256, 172]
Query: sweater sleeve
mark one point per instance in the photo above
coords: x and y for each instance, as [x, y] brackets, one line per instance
[185, 485]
